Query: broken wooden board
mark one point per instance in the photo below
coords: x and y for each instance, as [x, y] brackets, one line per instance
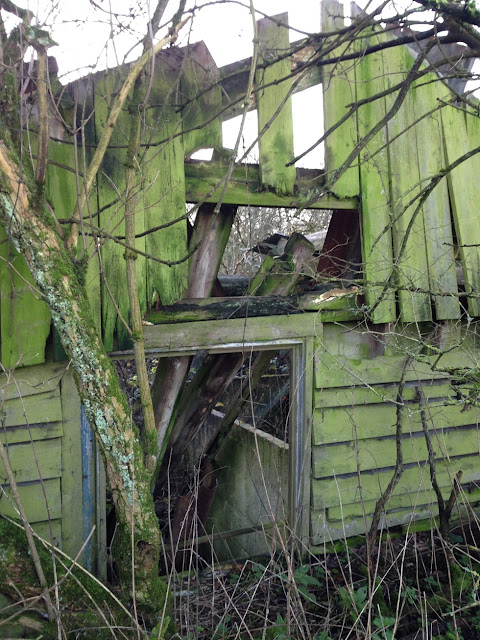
[428, 93]
[461, 135]
[338, 92]
[376, 214]
[274, 106]
[410, 253]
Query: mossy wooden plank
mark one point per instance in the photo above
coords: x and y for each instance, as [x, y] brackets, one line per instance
[41, 408]
[203, 182]
[201, 96]
[428, 94]
[164, 184]
[376, 214]
[33, 496]
[200, 335]
[111, 191]
[379, 420]
[32, 380]
[338, 92]
[330, 492]
[24, 317]
[374, 453]
[61, 190]
[12, 435]
[424, 498]
[274, 106]
[50, 531]
[337, 371]
[71, 488]
[460, 136]
[408, 227]
[24, 458]
[376, 394]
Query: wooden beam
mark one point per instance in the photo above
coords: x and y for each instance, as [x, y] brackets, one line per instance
[203, 182]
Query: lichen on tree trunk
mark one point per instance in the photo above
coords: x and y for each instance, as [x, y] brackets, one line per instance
[31, 228]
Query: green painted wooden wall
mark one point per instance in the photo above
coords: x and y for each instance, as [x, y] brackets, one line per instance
[40, 428]
[354, 434]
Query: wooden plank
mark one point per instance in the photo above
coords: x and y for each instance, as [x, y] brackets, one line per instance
[337, 371]
[24, 458]
[376, 394]
[201, 96]
[379, 420]
[374, 453]
[50, 531]
[345, 490]
[32, 380]
[32, 496]
[25, 433]
[24, 317]
[436, 209]
[71, 488]
[460, 136]
[421, 500]
[203, 182]
[274, 106]
[111, 185]
[374, 185]
[201, 309]
[164, 191]
[408, 227]
[38, 409]
[338, 92]
[171, 338]
[61, 190]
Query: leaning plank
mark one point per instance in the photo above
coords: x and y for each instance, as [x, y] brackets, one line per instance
[427, 94]
[274, 106]
[374, 181]
[461, 134]
[338, 92]
[408, 226]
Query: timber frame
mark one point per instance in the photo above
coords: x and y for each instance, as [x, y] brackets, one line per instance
[401, 256]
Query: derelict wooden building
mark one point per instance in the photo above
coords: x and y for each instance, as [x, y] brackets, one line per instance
[397, 196]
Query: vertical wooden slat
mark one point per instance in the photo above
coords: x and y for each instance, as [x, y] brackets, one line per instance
[338, 92]
[71, 467]
[164, 184]
[24, 317]
[276, 143]
[436, 209]
[111, 189]
[202, 96]
[408, 229]
[460, 136]
[376, 217]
